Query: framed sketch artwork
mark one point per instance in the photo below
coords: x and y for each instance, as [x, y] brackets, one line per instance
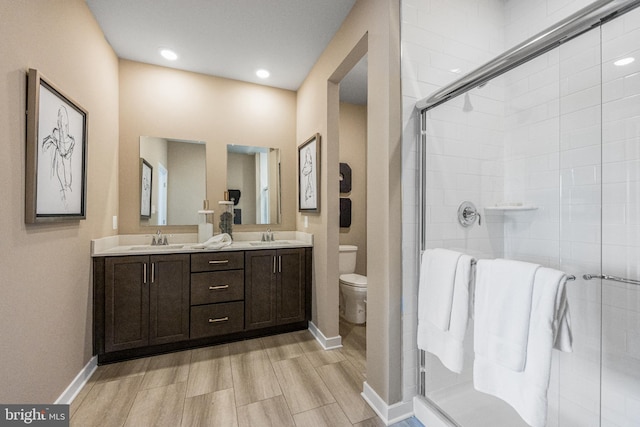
[309, 175]
[146, 185]
[56, 155]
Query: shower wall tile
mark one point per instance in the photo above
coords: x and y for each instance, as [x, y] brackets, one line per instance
[573, 81]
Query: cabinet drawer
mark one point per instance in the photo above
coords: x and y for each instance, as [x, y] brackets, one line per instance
[219, 286]
[217, 319]
[217, 261]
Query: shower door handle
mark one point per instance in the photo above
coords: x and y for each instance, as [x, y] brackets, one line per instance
[612, 278]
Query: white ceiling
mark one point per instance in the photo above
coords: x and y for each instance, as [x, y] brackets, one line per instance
[230, 38]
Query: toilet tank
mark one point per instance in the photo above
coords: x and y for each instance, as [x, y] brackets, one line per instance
[347, 259]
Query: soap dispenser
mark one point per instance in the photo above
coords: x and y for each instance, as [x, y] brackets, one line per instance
[205, 223]
[226, 217]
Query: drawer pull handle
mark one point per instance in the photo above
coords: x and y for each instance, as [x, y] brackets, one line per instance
[220, 319]
[217, 288]
[224, 261]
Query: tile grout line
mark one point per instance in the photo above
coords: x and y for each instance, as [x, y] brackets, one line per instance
[284, 397]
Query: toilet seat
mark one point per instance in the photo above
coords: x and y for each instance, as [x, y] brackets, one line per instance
[354, 280]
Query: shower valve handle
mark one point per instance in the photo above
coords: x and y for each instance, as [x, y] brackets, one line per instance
[470, 214]
[467, 214]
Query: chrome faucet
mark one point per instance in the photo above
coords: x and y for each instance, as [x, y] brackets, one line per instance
[267, 236]
[158, 239]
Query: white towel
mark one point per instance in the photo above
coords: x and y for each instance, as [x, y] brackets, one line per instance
[443, 305]
[526, 391]
[504, 289]
[218, 241]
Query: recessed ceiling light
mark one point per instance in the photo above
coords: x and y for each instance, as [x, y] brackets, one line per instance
[624, 61]
[262, 73]
[168, 54]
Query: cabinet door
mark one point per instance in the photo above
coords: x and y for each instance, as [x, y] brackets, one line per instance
[291, 286]
[260, 289]
[169, 298]
[126, 302]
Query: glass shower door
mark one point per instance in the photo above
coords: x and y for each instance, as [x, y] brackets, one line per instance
[562, 133]
[576, 402]
[620, 394]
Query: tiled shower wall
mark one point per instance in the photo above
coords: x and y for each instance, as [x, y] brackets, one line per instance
[551, 160]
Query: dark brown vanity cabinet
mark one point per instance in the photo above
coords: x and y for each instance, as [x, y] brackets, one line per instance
[151, 304]
[274, 287]
[146, 300]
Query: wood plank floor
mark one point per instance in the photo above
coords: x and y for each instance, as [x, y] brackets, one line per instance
[282, 380]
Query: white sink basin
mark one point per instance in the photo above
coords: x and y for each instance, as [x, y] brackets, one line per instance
[274, 243]
[155, 248]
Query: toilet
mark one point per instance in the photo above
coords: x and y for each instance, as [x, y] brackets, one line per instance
[353, 287]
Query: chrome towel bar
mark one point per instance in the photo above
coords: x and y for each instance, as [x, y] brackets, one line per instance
[612, 278]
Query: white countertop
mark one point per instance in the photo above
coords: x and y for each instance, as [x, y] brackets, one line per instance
[139, 244]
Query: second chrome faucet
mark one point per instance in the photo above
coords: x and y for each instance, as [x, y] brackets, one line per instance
[267, 236]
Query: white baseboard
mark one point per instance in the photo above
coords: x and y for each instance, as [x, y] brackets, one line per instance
[390, 414]
[426, 415]
[78, 382]
[326, 343]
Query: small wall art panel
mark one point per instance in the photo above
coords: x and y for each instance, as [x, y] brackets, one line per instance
[309, 175]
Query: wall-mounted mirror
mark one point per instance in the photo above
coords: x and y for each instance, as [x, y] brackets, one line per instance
[253, 182]
[178, 180]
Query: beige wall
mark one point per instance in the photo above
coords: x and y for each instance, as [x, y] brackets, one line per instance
[175, 104]
[372, 27]
[353, 151]
[45, 308]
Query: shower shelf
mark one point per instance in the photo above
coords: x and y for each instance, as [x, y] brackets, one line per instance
[510, 208]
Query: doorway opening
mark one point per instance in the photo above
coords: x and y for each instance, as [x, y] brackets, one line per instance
[353, 213]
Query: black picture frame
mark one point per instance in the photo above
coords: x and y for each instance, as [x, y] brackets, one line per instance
[146, 188]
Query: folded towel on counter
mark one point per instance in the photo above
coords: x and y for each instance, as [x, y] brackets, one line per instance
[502, 312]
[444, 294]
[549, 327]
[218, 241]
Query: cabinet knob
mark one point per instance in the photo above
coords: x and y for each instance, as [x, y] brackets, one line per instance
[220, 319]
[217, 288]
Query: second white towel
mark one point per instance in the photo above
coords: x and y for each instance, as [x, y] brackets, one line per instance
[526, 390]
[503, 296]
